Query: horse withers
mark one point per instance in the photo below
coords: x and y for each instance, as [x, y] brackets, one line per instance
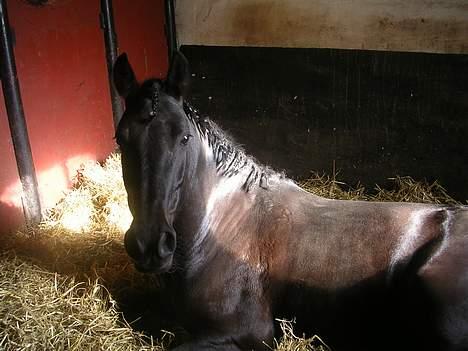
[240, 244]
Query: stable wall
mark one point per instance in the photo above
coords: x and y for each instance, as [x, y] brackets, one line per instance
[369, 89]
[368, 115]
[60, 58]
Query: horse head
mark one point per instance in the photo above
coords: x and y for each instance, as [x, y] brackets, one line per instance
[154, 137]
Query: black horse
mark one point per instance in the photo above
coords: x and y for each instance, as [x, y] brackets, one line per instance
[240, 244]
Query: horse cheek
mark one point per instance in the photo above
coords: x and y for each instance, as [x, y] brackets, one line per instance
[174, 201]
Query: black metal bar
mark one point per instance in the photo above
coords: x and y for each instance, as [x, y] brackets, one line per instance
[17, 122]
[171, 33]
[110, 40]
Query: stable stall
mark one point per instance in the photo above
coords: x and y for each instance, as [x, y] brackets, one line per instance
[341, 95]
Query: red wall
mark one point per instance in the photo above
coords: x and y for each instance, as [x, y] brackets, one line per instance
[140, 31]
[60, 58]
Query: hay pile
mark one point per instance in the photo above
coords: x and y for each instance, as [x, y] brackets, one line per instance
[402, 189]
[68, 284]
[97, 202]
[291, 342]
[406, 189]
[329, 187]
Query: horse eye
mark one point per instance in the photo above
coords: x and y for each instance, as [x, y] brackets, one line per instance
[186, 139]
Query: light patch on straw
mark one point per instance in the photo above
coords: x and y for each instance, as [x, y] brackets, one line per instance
[93, 170]
[78, 220]
[119, 216]
[79, 211]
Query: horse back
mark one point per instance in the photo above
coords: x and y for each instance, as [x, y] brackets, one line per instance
[332, 244]
[340, 265]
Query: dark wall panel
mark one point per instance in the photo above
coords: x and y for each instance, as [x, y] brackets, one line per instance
[374, 114]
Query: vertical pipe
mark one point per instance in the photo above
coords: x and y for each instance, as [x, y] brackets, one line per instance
[171, 33]
[17, 122]
[110, 40]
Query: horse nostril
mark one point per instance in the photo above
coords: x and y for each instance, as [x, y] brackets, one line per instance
[166, 244]
[131, 245]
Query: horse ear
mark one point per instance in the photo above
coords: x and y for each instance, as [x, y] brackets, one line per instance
[178, 78]
[123, 76]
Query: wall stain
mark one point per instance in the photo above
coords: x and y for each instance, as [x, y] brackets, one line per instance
[362, 24]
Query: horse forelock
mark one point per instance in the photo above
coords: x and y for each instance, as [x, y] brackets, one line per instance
[155, 100]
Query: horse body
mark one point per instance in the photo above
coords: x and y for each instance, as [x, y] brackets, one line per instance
[325, 262]
[242, 244]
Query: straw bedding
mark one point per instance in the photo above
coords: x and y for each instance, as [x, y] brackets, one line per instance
[68, 283]
[41, 310]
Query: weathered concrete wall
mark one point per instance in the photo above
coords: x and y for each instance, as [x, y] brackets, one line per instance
[396, 25]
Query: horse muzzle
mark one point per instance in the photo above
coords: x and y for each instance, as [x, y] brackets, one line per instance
[154, 255]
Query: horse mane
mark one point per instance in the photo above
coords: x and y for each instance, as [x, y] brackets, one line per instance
[230, 157]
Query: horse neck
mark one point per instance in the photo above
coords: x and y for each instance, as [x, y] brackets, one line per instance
[209, 197]
[199, 177]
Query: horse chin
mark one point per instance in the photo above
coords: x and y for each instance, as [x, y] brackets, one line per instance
[159, 268]
[164, 268]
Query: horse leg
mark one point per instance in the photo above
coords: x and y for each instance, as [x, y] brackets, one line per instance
[259, 338]
[225, 343]
[212, 344]
[241, 320]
